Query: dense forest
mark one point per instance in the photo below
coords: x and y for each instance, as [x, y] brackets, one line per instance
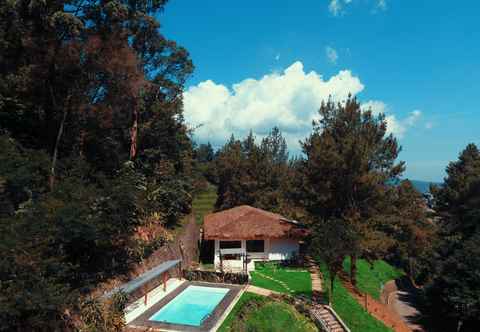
[95, 153]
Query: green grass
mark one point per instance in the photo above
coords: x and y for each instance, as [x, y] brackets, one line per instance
[371, 277]
[246, 297]
[270, 316]
[351, 312]
[276, 316]
[204, 203]
[297, 280]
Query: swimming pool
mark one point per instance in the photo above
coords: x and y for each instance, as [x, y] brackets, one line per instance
[191, 306]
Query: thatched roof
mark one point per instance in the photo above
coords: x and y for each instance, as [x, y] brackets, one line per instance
[248, 223]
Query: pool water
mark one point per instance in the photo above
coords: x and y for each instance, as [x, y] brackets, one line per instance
[191, 306]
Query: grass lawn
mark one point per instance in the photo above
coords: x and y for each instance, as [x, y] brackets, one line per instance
[297, 281]
[370, 278]
[351, 312]
[203, 203]
[247, 296]
[270, 316]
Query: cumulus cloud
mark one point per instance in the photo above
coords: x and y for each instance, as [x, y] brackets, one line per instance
[331, 54]
[381, 4]
[396, 126]
[337, 7]
[288, 99]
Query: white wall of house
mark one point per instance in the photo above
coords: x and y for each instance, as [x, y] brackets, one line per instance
[274, 250]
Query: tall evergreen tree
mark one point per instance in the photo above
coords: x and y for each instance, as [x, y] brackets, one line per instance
[93, 148]
[454, 291]
[253, 174]
[349, 163]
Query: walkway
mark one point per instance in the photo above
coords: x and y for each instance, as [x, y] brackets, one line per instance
[315, 275]
[325, 315]
[402, 300]
[281, 283]
[260, 290]
[327, 319]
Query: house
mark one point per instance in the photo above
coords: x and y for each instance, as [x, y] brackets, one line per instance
[244, 234]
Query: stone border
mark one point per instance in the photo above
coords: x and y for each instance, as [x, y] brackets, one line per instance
[142, 322]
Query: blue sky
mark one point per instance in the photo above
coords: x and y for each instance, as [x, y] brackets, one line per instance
[265, 63]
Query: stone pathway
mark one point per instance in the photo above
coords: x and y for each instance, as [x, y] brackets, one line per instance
[315, 274]
[328, 319]
[260, 290]
[324, 314]
[281, 283]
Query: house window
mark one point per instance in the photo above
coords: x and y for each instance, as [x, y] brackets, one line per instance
[232, 257]
[255, 246]
[230, 244]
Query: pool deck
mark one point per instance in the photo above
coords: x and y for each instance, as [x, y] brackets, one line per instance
[138, 307]
[142, 322]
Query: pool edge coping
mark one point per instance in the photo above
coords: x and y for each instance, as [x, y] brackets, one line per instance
[143, 323]
[227, 311]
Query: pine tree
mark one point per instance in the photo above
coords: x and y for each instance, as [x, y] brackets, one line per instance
[454, 291]
[253, 174]
[349, 162]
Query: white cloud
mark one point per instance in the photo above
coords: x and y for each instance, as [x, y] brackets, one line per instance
[335, 7]
[277, 57]
[381, 4]
[331, 54]
[288, 99]
[398, 127]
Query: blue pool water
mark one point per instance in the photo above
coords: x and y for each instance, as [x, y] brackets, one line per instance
[191, 306]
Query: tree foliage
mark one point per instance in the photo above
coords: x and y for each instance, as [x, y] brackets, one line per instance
[251, 173]
[454, 290]
[349, 164]
[95, 157]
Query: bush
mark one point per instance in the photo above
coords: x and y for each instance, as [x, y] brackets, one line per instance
[103, 316]
[218, 277]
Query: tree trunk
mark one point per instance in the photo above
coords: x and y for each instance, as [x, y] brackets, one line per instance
[332, 283]
[134, 134]
[51, 179]
[353, 270]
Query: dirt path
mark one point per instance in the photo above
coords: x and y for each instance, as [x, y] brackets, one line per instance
[379, 310]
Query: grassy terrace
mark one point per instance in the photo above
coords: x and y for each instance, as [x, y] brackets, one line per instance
[203, 203]
[269, 316]
[351, 312]
[371, 277]
[286, 280]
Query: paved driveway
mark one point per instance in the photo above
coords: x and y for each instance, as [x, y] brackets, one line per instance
[404, 301]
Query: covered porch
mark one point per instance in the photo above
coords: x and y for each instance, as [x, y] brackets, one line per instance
[240, 255]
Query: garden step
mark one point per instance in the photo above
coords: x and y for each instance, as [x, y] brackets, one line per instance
[327, 318]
